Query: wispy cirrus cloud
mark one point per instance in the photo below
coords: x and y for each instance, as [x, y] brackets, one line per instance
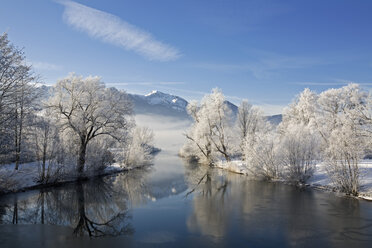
[113, 30]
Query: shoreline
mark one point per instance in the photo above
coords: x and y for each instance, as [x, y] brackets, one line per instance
[64, 182]
[111, 172]
[239, 169]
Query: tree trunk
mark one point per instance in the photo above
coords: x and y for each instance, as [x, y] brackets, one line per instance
[82, 223]
[19, 134]
[45, 147]
[44, 161]
[42, 206]
[16, 139]
[15, 212]
[81, 159]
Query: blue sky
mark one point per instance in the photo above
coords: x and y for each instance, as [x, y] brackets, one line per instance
[264, 51]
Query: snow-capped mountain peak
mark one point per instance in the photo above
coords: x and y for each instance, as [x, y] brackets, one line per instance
[152, 93]
[160, 103]
[156, 97]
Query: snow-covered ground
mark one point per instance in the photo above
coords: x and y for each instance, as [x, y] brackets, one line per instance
[236, 166]
[27, 175]
[319, 180]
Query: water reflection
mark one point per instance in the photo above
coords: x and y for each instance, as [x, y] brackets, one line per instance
[95, 208]
[103, 222]
[198, 207]
[210, 215]
[227, 207]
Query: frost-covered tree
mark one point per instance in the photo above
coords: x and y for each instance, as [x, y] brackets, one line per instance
[139, 149]
[301, 111]
[249, 122]
[343, 154]
[343, 129]
[86, 109]
[337, 105]
[299, 148]
[299, 138]
[17, 98]
[262, 156]
[326, 126]
[210, 135]
[199, 144]
[44, 139]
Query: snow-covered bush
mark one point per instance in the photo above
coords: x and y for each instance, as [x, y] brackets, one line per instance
[345, 150]
[299, 148]
[190, 153]
[262, 157]
[99, 155]
[139, 150]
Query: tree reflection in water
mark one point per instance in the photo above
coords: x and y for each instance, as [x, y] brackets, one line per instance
[94, 208]
[113, 226]
[222, 209]
[210, 214]
[226, 204]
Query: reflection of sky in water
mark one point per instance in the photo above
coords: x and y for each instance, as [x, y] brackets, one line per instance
[152, 205]
[167, 174]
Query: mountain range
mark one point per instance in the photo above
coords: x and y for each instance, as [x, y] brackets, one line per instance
[157, 102]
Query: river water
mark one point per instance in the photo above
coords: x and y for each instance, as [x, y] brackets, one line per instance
[176, 204]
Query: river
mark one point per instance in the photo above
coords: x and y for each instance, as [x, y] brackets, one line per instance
[176, 204]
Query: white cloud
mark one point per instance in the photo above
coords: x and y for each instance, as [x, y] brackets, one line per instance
[111, 29]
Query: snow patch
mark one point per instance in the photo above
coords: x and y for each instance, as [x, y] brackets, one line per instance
[152, 93]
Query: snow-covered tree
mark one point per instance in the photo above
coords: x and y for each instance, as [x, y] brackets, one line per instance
[249, 122]
[301, 111]
[210, 135]
[299, 148]
[85, 108]
[326, 126]
[343, 127]
[299, 138]
[139, 149]
[345, 149]
[337, 105]
[199, 144]
[44, 138]
[17, 99]
[262, 156]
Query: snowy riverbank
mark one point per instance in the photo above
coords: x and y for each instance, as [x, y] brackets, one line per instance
[26, 177]
[320, 180]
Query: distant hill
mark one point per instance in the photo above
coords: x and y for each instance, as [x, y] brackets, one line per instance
[275, 119]
[159, 103]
